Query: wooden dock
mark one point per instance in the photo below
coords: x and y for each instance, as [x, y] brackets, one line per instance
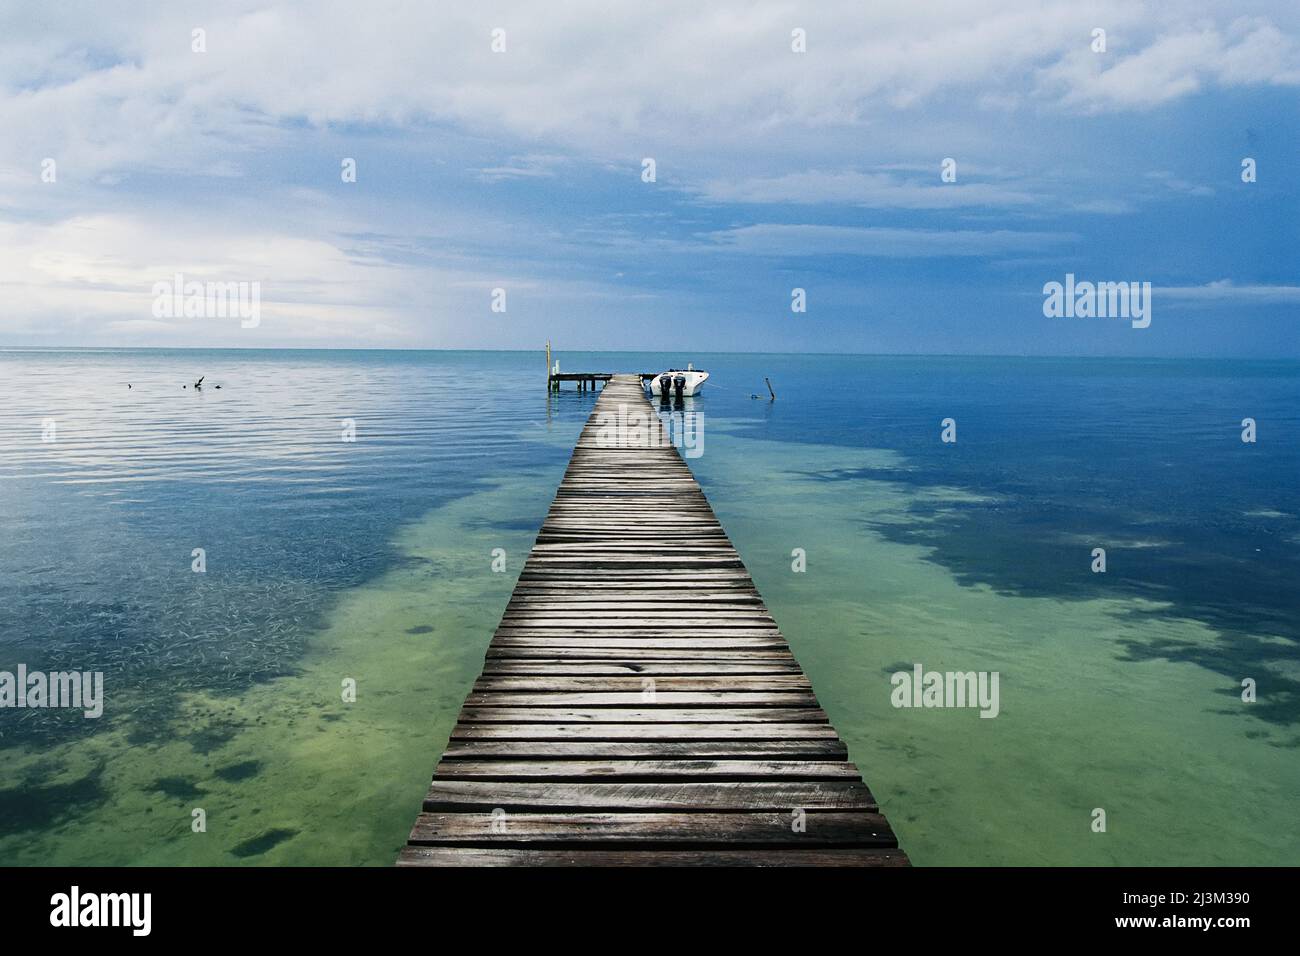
[586, 381]
[638, 705]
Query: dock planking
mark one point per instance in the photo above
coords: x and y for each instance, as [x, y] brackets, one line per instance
[638, 705]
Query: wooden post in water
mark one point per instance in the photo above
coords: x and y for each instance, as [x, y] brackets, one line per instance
[548, 365]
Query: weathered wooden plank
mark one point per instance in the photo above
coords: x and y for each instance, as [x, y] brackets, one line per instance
[662, 684]
[646, 770]
[447, 795]
[656, 730]
[687, 620]
[657, 588]
[793, 856]
[635, 603]
[640, 699]
[495, 667]
[682, 634]
[615, 650]
[821, 829]
[641, 715]
[636, 640]
[617, 578]
[587, 749]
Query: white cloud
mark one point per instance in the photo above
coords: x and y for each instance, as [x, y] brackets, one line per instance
[529, 166]
[89, 279]
[1225, 290]
[115, 84]
[1180, 185]
[874, 190]
[111, 89]
[101, 269]
[1248, 52]
[816, 240]
[1103, 207]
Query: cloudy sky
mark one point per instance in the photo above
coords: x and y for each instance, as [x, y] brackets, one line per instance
[522, 170]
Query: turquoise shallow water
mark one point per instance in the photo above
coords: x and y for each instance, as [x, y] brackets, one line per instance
[370, 560]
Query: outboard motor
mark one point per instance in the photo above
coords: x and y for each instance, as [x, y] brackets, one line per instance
[679, 383]
[665, 385]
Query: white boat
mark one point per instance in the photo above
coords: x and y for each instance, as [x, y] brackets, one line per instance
[674, 382]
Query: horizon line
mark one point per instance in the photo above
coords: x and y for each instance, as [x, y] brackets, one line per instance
[606, 351]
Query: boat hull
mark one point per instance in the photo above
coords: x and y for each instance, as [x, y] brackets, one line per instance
[665, 384]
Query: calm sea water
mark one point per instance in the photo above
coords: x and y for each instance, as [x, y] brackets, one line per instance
[225, 738]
